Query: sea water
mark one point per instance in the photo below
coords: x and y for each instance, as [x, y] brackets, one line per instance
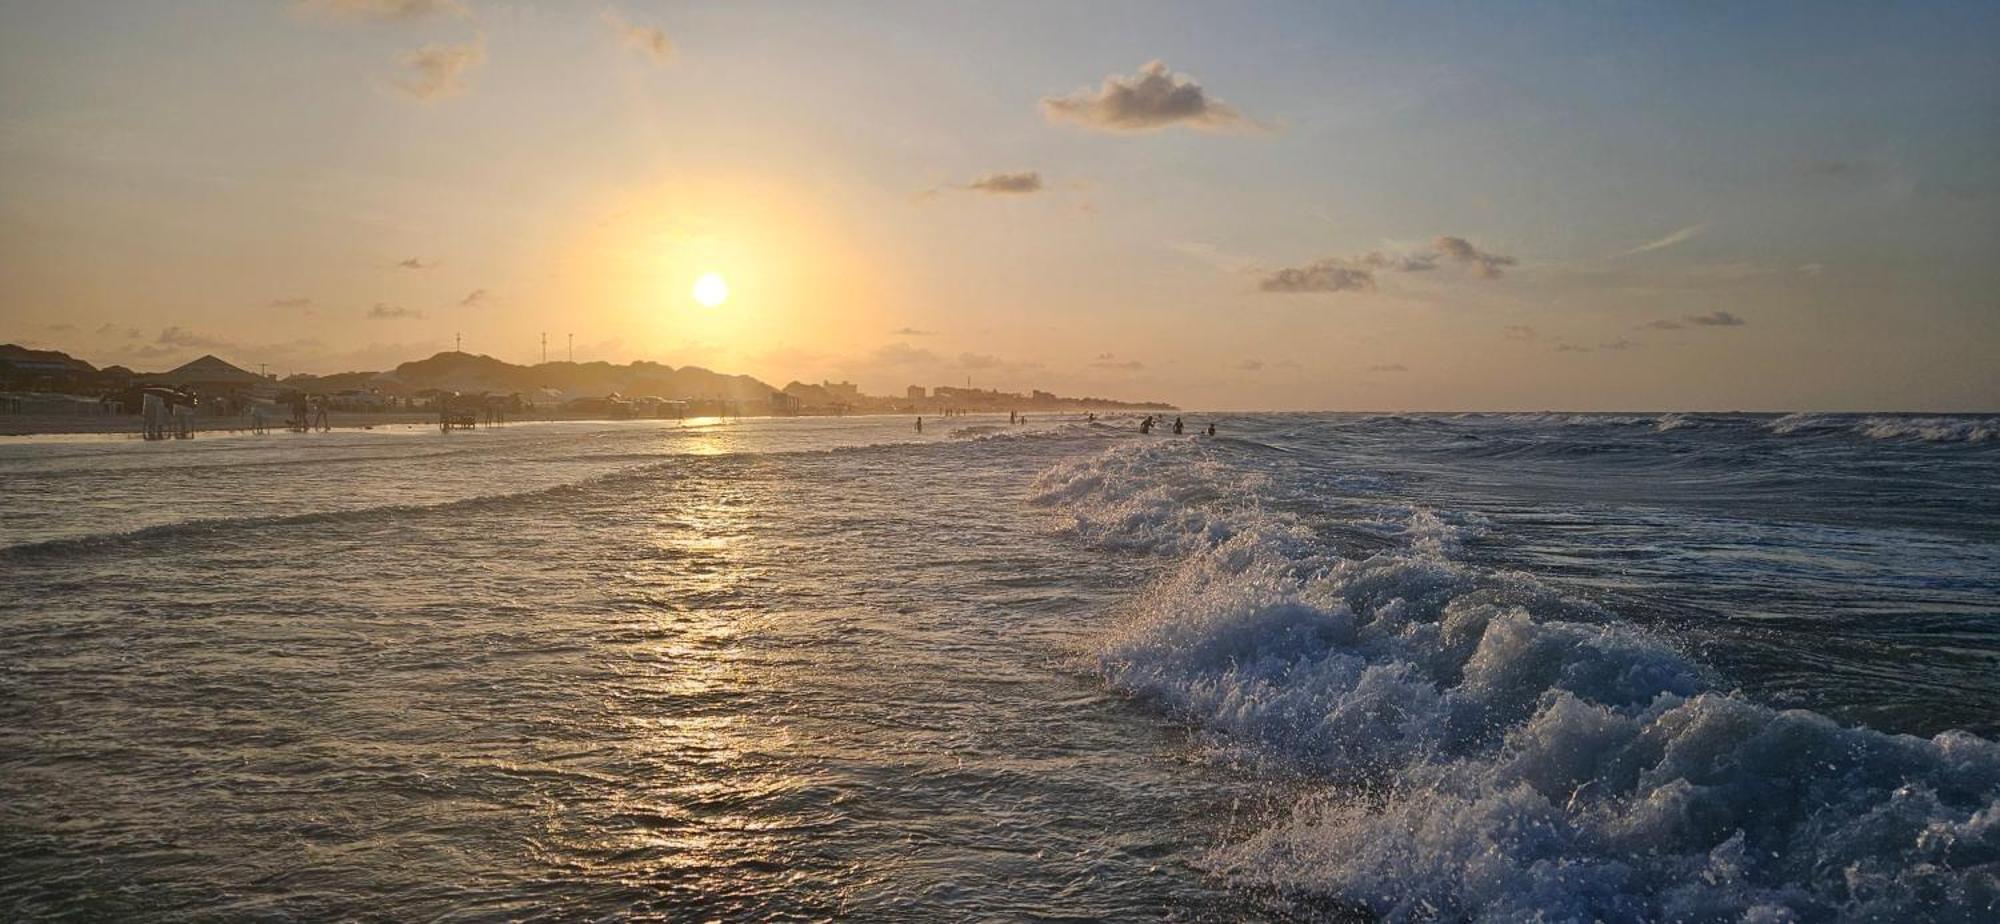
[1472, 667]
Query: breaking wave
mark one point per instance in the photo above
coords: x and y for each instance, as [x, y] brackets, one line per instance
[1938, 429]
[1932, 429]
[1485, 748]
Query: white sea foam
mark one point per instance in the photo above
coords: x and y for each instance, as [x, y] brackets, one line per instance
[1494, 751]
[1931, 429]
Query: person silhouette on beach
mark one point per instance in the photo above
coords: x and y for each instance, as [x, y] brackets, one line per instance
[920, 425]
[1177, 426]
[1211, 429]
[1146, 426]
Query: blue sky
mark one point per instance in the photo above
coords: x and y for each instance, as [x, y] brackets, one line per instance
[1777, 206]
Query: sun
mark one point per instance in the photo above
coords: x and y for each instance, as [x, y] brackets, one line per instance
[711, 290]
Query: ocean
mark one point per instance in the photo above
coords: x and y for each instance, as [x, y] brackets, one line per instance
[1551, 667]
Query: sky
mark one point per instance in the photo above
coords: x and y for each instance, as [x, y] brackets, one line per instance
[1372, 206]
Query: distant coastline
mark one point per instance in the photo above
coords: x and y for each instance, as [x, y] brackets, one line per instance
[50, 391]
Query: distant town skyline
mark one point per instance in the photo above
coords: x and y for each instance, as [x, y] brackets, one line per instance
[1288, 206]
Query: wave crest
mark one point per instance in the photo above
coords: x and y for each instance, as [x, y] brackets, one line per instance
[1492, 750]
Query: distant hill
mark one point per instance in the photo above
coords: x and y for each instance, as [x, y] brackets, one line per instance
[468, 372]
[15, 356]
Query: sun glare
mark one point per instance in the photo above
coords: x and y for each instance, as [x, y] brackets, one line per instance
[711, 290]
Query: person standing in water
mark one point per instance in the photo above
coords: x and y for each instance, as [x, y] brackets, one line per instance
[920, 425]
[1146, 426]
[1177, 426]
[1211, 429]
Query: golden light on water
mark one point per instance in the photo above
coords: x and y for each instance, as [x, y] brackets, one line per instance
[711, 290]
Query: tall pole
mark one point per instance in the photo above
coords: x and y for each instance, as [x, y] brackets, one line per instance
[545, 347]
[457, 343]
[572, 348]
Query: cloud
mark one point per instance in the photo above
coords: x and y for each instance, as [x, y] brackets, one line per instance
[979, 361]
[439, 71]
[1407, 263]
[1663, 324]
[1152, 99]
[1618, 344]
[59, 328]
[1562, 347]
[473, 299]
[1716, 318]
[913, 332]
[1519, 332]
[416, 263]
[290, 303]
[1389, 367]
[383, 311]
[182, 337]
[1329, 275]
[1008, 184]
[1250, 365]
[1109, 361]
[1461, 250]
[1337, 274]
[383, 10]
[1685, 234]
[650, 41]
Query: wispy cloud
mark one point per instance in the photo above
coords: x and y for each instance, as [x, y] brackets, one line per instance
[1329, 275]
[383, 10]
[903, 354]
[1152, 99]
[1008, 183]
[416, 263]
[1716, 318]
[182, 337]
[912, 332]
[651, 41]
[1389, 367]
[1519, 332]
[1358, 274]
[439, 71]
[1682, 236]
[473, 299]
[1485, 263]
[290, 303]
[1250, 365]
[1110, 361]
[383, 311]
